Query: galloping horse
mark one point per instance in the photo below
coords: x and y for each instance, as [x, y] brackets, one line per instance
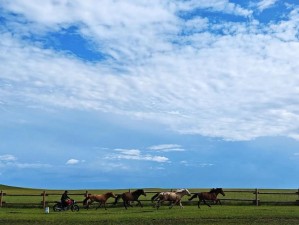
[127, 197]
[102, 199]
[173, 197]
[212, 195]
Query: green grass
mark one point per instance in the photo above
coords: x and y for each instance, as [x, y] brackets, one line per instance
[148, 215]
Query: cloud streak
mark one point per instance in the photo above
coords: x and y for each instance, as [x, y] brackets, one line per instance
[10, 161]
[265, 4]
[167, 148]
[135, 154]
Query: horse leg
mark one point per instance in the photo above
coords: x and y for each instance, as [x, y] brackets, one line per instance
[116, 199]
[100, 205]
[194, 196]
[181, 206]
[129, 204]
[175, 203]
[125, 205]
[86, 206]
[89, 203]
[204, 201]
[139, 203]
[154, 198]
[199, 200]
[171, 205]
[159, 203]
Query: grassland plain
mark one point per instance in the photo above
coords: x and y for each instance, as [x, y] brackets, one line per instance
[274, 215]
[227, 214]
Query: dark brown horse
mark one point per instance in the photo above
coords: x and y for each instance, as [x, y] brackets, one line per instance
[128, 197]
[102, 199]
[211, 196]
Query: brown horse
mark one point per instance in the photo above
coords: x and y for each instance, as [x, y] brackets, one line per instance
[174, 197]
[128, 197]
[212, 196]
[102, 199]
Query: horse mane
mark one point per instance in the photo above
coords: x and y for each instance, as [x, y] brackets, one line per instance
[138, 191]
[213, 190]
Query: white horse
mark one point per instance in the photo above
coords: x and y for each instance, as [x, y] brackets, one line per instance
[174, 197]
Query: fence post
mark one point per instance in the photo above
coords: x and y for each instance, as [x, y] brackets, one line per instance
[1, 198]
[44, 199]
[86, 194]
[257, 197]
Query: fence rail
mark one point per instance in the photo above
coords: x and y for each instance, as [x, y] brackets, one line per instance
[253, 196]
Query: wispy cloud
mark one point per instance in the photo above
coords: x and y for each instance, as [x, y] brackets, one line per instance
[167, 148]
[7, 158]
[215, 5]
[12, 162]
[265, 4]
[194, 164]
[135, 154]
[201, 83]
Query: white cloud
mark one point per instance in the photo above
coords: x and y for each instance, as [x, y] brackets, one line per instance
[134, 154]
[12, 162]
[215, 5]
[167, 148]
[7, 158]
[32, 165]
[203, 83]
[193, 164]
[265, 4]
[72, 162]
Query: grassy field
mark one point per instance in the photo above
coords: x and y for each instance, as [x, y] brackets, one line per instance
[226, 214]
[287, 215]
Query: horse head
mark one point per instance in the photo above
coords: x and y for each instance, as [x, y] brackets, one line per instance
[217, 191]
[111, 194]
[184, 191]
[220, 190]
[141, 191]
[187, 192]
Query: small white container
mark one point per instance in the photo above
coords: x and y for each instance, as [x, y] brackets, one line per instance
[47, 210]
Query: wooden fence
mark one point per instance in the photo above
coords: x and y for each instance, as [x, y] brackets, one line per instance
[252, 196]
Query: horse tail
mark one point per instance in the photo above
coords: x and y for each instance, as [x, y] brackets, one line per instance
[116, 199]
[193, 196]
[85, 200]
[154, 197]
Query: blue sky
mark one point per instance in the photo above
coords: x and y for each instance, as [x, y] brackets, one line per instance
[170, 94]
